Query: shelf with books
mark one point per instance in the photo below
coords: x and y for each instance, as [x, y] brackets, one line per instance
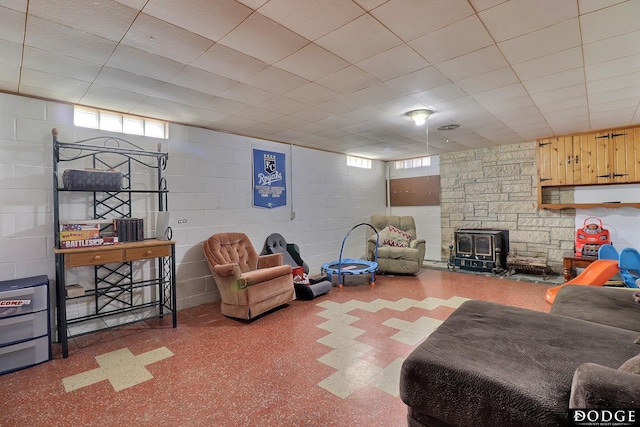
[130, 273]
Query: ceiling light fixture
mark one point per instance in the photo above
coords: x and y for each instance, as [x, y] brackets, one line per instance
[419, 116]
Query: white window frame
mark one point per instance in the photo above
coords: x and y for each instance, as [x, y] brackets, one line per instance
[82, 117]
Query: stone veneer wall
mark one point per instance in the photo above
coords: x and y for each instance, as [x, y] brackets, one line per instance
[497, 188]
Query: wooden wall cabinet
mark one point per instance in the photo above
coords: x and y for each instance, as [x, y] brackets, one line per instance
[592, 158]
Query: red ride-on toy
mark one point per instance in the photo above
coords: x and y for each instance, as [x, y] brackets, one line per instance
[590, 237]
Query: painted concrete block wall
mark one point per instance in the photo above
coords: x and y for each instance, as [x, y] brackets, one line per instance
[210, 186]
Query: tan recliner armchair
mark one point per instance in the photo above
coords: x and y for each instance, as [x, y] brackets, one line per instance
[249, 284]
[393, 259]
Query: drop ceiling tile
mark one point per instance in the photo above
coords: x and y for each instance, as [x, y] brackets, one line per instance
[133, 4]
[347, 42]
[340, 105]
[557, 95]
[203, 81]
[556, 38]
[235, 122]
[258, 115]
[312, 62]
[630, 81]
[439, 95]
[488, 81]
[395, 62]
[45, 61]
[614, 95]
[247, 94]
[11, 53]
[566, 104]
[418, 81]
[311, 94]
[161, 38]
[517, 17]
[348, 80]
[555, 81]
[311, 128]
[210, 19]
[12, 25]
[473, 64]
[452, 41]
[183, 95]
[373, 95]
[311, 114]
[39, 79]
[369, 4]
[410, 19]
[253, 4]
[48, 93]
[550, 64]
[226, 106]
[107, 19]
[588, 6]
[501, 94]
[613, 48]
[618, 105]
[313, 20]
[143, 63]
[9, 77]
[261, 38]
[98, 95]
[479, 5]
[282, 105]
[227, 62]
[125, 80]
[613, 21]
[276, 80]
[50, 36]
[19, 5]
[615, 67]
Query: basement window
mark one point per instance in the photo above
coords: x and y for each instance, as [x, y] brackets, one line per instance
[358, 162]
[420, 162]
[122, 123]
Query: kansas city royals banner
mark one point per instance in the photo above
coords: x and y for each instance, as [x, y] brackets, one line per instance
[269, 179]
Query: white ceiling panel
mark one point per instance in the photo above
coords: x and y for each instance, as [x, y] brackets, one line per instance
[347, 42]
[316, 19]
[613, 21]
[264, 39]
[452, 41]
[517, 17]
[337, 75]
[210, 19]
[106, 19]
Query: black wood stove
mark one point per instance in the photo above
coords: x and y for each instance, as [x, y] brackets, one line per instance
[481, 249]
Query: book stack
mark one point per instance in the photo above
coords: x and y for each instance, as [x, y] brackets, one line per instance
[86, 234]
[129, 229]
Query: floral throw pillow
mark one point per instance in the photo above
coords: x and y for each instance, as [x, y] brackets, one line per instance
[396, 237]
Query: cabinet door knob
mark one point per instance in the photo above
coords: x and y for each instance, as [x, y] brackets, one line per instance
[149, 252]
[97, 257]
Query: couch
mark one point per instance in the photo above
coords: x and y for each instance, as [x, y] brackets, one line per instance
[490, 364]
[249, 284]
[396, 255]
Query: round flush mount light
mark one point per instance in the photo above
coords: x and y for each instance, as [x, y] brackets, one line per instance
[448, 127]
[419, 116]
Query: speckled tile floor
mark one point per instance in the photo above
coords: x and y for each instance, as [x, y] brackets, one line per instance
[332, 361]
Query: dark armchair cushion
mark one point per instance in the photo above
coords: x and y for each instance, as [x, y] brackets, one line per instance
[599, 387]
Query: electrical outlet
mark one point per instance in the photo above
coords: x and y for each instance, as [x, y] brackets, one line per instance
[182, 221]
[293, 215]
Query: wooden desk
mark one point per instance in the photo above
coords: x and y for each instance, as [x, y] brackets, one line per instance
[570, 262]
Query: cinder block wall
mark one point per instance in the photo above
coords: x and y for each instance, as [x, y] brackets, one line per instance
[496, 188]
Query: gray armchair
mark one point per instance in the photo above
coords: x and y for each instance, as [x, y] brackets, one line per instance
[396, 259]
